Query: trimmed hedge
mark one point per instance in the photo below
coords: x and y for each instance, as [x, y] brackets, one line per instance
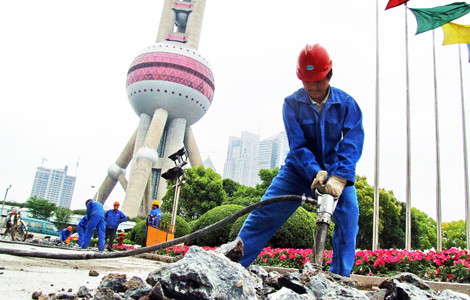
[297, 232]
[221, 235]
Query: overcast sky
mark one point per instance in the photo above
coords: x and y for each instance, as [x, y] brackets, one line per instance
[64, 65]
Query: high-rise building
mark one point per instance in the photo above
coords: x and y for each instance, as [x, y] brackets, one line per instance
[241, 163]
[54, 185]
[272, 152]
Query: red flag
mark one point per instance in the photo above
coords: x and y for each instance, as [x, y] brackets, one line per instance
[393, 3]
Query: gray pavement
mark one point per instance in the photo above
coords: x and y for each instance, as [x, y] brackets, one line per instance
[21, 276]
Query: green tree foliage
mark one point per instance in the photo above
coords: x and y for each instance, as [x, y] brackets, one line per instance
[40, 208]
[221, 235]
[62, 217]
[203, 191]
[230, 186]
[454, 235]
[391, 234]
[423, 228]
[81, 212]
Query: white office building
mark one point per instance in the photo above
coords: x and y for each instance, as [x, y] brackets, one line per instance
[54, 185]
[241, 163]
[272, 152]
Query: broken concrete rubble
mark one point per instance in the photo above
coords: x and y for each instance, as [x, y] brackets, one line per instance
[202, 274]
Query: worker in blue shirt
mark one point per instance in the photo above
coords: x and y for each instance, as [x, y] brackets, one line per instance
[95, 214]
[153, 218]
[65, 233]
[113, 218]
[81, 228]
[325, 134]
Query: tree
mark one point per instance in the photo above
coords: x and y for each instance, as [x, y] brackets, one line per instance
[203, 191]
[62, 217]
[454, 235]
[391, 234]
[423, 229]
[230, 186]
[40, 208]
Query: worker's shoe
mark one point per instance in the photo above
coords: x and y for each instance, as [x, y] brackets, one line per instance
[109, 249]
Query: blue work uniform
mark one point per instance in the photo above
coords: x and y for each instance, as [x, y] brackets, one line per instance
[153, 218]
[332, 141]
[64, 234]
[95, 214]
[81, 228]
[112, 218]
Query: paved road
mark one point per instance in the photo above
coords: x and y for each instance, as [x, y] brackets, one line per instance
[23, 275]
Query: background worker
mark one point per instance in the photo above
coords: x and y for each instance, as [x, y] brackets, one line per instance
[153, 218]
[326, 137]
[81, 228]
[65, 233]
[95, 215]
[113, 218]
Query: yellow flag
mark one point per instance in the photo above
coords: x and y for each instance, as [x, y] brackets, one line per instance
[456, 34]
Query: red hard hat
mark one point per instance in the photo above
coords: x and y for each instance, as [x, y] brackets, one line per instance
[313, 64]
[69, 228]
[116, 203]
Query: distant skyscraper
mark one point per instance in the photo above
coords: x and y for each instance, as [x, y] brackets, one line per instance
[272, 152]
[54, 185]
[241, 163]
[208, 164]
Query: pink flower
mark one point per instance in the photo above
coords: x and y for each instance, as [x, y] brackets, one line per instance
[358, 262]
[283, 257]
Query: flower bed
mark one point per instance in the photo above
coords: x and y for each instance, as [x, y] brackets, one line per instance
[451, 265]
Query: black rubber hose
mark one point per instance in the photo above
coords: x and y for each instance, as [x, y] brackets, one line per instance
[194, 235]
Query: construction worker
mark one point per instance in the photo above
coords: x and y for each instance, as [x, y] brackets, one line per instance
[95, 214]
[326, 136]
[153, 218]
[81, 228]
[65, 233]
[113, 218]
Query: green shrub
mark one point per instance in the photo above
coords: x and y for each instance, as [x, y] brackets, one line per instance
[182, 227]
[297, 232]
[139, 231]
[221, 235]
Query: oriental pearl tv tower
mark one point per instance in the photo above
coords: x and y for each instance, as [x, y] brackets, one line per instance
[170, 86]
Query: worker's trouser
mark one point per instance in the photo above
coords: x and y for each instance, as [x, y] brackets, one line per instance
[98, 223]
[264, 222]
[81, 236]
[110, 235]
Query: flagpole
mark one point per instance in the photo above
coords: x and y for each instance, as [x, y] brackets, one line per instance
[465, 158]
[438, 165]
[375, 231]
[408, 144]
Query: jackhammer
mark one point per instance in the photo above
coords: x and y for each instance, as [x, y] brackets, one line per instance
[326, 205]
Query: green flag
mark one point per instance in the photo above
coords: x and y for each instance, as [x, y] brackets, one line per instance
[431, 18]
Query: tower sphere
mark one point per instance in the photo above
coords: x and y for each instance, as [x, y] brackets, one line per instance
[171, 76]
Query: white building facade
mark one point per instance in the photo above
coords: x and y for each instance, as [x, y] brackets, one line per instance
[242, 159]
[54, 185]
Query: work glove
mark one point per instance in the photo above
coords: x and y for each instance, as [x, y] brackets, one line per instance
[319, 181]
[334, 186]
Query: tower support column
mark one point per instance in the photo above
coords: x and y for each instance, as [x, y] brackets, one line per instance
[146, 157]
[174, 142]
[116, 171]
[193, 152]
